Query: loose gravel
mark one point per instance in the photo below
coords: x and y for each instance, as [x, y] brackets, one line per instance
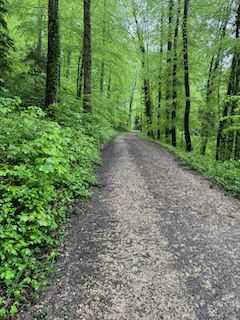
[156, 242]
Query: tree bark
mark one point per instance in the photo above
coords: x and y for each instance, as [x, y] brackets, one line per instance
[146, 86]
[80, 75]
[168, 82]
[186, 78]
[174, 139]
[109, 80]
[53, 56]
[87, 59]
[225, 141]
[208, 115]
[68, 63]
[160, 79]
[131, 100]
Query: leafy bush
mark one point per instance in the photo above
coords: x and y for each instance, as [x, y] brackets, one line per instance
[43, 166]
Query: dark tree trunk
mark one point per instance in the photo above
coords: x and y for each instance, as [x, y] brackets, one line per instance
[87, 59]
[221, 153]
[174, 139]
[208, 115]
[102, 77]
[169, 60]
[131, 100]
[53, 55]
[160, 80]
[186, 78]
[103, 62]
[109, 81]
[237, 146]
[146, 86]
[225, 141]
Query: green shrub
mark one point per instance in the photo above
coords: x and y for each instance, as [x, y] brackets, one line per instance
[43, 166]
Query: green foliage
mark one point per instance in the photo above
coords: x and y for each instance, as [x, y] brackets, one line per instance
[5, 41]
[44, 166]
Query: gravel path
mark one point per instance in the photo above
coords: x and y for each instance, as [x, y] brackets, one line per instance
[155, 243]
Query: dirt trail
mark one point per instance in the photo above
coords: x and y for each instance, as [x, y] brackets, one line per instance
[157, 243]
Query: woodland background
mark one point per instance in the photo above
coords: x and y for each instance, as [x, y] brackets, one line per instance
[74, 74]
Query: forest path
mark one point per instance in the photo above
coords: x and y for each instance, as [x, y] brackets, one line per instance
[157, 243]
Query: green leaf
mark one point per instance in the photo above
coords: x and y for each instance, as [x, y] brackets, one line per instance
[9, 275]
[16, 295]
[13, 310]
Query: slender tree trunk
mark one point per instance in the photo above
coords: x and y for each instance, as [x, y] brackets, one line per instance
[174, 139]
[160, 79]
[221, 153]
[186, 78]
[87, 59]
[53, 55]
[109, 80]
[225, 141]
[146, 89]
[80, 75]
[237, 146]
[168, 82]
[40, 18]
[208, 114]
[68, 63]
[103, 42]
[102, 77]
[131, 100]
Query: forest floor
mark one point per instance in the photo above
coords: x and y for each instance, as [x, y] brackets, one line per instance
[156, 242]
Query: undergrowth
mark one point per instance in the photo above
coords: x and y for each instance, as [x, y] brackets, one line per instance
[45, 166]
[226, 174]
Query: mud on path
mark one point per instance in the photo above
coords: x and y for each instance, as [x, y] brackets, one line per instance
[157, 243]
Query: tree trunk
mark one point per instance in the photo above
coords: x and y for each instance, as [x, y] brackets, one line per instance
[68, 63]
[160, 80]
[225, 141]
[186, 78]
[146, 87]
[208, 115]
[87, 59]
[174, 139]
[80, 75]
[109, 80]
[103, 42]
[102, 77]
[168, 82]
[131, 100]
[53, 55]
[237, 146]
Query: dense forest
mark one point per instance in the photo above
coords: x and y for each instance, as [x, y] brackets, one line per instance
[73, 75]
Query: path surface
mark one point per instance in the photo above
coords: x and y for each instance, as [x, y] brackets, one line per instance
[157, 243]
